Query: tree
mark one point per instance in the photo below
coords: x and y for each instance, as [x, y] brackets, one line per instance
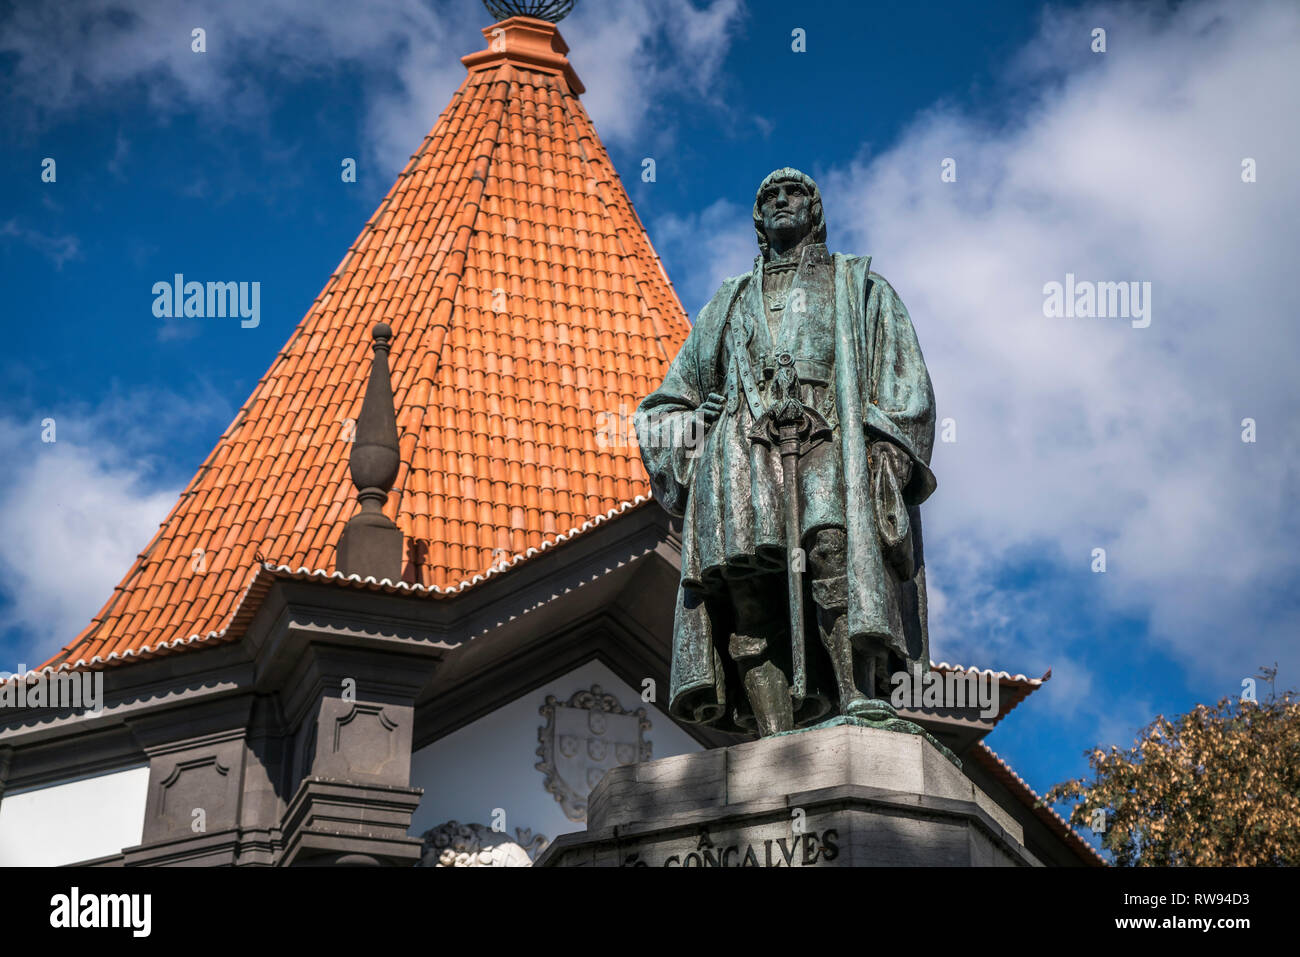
[1214, 787]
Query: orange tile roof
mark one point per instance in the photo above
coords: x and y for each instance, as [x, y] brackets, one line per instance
[1027, 796]
[1012, 689]
[529, 311]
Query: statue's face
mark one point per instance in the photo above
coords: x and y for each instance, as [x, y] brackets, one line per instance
[786, 208]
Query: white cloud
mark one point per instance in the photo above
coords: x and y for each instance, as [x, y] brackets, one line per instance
[58, 249]
[77, 511]
[635, 53]
[632, 55]
[1072, 433]
[729, 248]
[1083, 433]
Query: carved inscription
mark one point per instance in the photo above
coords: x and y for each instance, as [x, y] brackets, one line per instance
[743, 850]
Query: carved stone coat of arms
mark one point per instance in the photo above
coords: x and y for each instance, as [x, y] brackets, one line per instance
[582, 739]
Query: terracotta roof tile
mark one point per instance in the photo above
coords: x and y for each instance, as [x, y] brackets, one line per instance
[525, 298]
[1021, 790]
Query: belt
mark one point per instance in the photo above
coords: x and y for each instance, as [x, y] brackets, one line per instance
[745, 374]
[809, 371]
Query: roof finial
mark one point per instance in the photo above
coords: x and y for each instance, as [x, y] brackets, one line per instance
[371, 545]
[553, 10]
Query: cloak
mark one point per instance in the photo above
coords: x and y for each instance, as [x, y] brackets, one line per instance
[873, 386]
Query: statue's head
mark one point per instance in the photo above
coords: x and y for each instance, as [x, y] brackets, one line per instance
[788, 208]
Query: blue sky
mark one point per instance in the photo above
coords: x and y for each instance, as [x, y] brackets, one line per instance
[1072, 434]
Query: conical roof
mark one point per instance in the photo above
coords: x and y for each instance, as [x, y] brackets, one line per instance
[530, 314]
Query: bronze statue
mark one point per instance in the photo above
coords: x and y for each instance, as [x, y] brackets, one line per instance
[792, 434]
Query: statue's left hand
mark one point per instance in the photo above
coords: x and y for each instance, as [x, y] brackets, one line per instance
[712, 407]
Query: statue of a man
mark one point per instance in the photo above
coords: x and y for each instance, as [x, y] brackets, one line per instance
[793, 433]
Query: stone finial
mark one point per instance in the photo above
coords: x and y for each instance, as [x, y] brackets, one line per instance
[530, 41]
[372, 545]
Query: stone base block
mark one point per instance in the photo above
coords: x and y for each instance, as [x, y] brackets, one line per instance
[837, 796]
[338, 822]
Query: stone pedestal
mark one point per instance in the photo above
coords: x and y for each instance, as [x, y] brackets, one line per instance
[839, 796]
[342, 822]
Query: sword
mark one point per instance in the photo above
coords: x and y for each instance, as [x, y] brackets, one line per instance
[790, 427]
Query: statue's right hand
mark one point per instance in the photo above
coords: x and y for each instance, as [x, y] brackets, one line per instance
[712, 407]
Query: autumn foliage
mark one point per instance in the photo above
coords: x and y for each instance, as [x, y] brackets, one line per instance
[1214, 787]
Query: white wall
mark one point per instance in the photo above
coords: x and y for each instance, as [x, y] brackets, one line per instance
[74, 820]
[490, 763]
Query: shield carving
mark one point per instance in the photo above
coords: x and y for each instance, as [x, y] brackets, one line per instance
[582, 739]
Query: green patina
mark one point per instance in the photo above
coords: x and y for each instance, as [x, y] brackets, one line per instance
[792, 434]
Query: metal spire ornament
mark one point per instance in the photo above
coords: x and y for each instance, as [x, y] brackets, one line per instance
[553, 10]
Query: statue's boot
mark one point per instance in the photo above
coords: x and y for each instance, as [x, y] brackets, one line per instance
[834, 628]
[768, 691]
[759, 625]
[867, 700]
[873, 663]
[830, 591]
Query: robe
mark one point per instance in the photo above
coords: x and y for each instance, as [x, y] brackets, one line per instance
[861, 366]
